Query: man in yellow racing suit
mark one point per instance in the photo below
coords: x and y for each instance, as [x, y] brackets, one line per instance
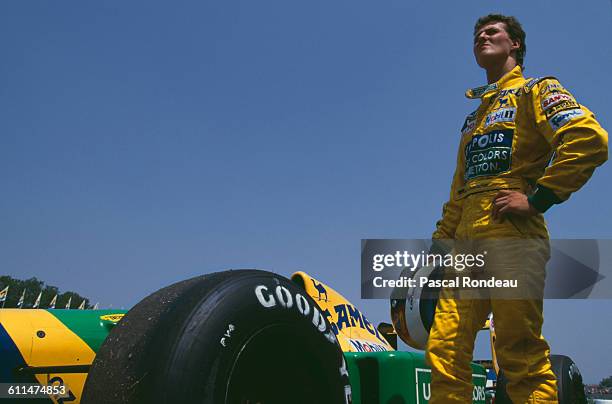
[528, 146]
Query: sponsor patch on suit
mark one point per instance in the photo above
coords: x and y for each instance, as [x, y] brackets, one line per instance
[500, 115]
[555, 99]
[562, 118]
[552, 87]
[488, 154]
[470, 123]
[565, 105]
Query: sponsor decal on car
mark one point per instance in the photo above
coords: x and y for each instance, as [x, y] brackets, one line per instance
[423, 386]
[562, 118]
[500, 115]
[348, 316]
[555, 99]
[488, 154]
[345, 319]
[113, 318]
[366, 346]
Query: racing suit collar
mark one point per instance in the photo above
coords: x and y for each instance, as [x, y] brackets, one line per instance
[513, 77]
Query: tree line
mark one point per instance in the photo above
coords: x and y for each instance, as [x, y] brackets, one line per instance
[33, 287]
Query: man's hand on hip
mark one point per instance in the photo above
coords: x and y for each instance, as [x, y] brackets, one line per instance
[511, 202]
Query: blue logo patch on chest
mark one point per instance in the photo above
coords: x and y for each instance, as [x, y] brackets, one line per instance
[488, 154]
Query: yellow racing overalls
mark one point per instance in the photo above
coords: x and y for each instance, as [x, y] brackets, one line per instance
[528, 135]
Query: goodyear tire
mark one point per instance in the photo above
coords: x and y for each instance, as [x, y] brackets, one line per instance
[570, 388]
[231, 337]
[569, 380]
[501, 396]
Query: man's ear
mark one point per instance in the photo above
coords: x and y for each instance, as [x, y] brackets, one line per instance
[516, 44]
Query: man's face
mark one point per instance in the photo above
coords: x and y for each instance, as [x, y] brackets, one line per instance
[493, 45]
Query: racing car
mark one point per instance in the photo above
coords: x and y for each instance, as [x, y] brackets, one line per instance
[241, 336]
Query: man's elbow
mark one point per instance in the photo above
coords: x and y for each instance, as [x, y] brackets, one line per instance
[602, 147]
[604, 144]
[597, 151]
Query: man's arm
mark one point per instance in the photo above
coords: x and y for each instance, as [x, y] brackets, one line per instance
[579, 142]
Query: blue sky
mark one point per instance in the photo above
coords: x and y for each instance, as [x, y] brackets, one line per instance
[143, 143]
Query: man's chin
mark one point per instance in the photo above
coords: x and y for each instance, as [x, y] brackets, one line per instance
[487, 60]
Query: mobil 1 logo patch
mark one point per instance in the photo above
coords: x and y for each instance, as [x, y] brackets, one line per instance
[500, 115]
[488, 154]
